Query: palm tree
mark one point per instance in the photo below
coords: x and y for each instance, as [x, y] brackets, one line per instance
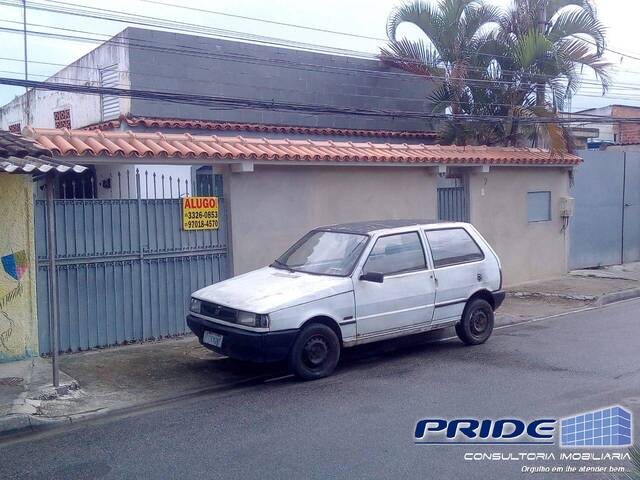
[519, 65]
[454, 31]
[542, 46]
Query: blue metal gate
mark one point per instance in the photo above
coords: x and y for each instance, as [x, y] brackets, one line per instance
[125, 267]
[605, 228]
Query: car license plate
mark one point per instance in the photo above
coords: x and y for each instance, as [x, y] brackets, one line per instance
[211, 338]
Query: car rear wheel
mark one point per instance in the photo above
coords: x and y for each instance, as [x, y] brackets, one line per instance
[315, 352]
[476, 324]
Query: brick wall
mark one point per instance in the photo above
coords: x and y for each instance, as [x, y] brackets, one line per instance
[626, 132]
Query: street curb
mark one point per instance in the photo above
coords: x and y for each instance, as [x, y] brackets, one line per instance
[14, 423]
[26, 425]
[14, 426]
[608, 298]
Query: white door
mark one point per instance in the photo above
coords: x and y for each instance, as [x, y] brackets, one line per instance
[459, 271]
[405, 297]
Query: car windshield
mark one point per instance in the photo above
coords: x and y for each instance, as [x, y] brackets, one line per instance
[323, 252]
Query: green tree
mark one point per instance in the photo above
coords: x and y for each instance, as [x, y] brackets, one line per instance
[517, 66]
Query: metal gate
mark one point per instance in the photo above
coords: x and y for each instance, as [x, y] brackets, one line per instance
[631, 209]
[605, 228]
[125, 267]
[453, 204]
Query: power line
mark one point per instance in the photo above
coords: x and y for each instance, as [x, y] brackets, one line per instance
[190, 28]
[272, 22]
[490, 82]
[67, 10]
[214, 101]
[279, 62]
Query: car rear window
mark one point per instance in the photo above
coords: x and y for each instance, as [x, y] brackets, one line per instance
[452, 246]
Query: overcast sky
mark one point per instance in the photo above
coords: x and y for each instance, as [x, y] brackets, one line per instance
[359, 17]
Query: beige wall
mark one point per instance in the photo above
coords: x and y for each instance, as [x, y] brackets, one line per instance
[274, 206]
[528, 251]
[18, 323]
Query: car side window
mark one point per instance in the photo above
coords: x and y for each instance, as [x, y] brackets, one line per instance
[452, 246]
[396, 253]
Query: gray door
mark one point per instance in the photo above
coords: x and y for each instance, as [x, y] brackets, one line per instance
[631, 218]
[596, 226]
[453, 203]
[125, 267]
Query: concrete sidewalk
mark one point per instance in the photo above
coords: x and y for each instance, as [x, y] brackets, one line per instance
[100, 382]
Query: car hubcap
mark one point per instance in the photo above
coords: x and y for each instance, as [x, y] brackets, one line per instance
[315, 351]
[479, 322]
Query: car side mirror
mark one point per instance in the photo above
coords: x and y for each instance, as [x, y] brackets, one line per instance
[372, 277]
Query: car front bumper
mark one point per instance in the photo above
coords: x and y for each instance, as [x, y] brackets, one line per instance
[243, 344]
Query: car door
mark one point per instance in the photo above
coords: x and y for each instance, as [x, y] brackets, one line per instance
[458, 269]
[406, 295]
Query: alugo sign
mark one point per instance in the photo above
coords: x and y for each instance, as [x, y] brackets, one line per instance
[199, 213]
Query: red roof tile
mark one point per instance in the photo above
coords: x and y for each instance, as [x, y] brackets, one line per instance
[65, 142]
[150, 122]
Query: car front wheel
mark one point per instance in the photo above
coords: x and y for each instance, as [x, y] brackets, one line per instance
[315, 352]
[476, 324]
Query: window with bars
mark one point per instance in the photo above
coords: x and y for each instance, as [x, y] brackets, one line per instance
[62, 118]
[15, 128]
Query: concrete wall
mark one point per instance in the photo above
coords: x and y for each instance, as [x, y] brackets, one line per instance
[18, 321]
[85, 109]
[498, 200]
[274, 206]
[232, 69]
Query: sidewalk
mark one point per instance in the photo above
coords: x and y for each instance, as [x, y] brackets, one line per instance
[100, 382]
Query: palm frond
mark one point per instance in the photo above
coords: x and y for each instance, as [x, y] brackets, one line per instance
[554, 132]
[424, 15]
[530, 48]
[411, 56]
[441, 97]
[578, 22]
[554, 6]
[578, 52]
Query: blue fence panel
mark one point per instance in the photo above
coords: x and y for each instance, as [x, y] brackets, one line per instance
[125, 269]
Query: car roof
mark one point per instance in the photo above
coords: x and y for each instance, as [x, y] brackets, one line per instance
[375, 225]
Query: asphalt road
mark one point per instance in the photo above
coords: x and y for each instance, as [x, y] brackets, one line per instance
[359, 423]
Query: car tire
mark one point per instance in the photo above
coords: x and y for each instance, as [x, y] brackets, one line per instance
[315, 353]
[476, 324]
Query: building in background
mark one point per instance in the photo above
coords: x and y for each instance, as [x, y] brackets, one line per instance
[612, 132]
[140, 59]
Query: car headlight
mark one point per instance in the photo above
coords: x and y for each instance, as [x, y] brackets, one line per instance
[195, 305]
[253, 319]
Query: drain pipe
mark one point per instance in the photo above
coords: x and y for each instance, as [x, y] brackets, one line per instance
[53, 280]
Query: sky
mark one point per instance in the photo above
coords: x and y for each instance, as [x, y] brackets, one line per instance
[364, 18]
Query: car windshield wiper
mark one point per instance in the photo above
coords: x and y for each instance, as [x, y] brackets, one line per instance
[282, 265]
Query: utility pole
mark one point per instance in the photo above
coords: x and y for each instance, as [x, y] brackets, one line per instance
[26, 60]
[53, 280]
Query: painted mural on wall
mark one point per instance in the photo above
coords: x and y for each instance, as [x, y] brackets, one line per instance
[18, 338]
[15, 265]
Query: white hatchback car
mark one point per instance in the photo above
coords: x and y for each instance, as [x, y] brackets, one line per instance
[350, 284]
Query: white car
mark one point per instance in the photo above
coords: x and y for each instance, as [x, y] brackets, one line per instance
[349, 284]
